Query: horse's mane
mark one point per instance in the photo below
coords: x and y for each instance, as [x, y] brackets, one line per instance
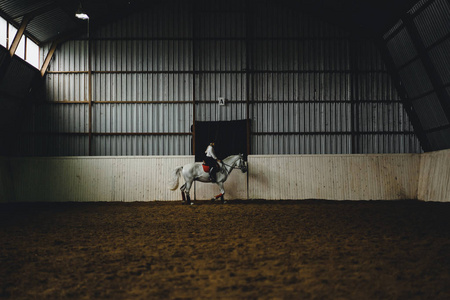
[231, 157]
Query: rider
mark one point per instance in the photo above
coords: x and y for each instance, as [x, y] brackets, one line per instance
[211, 161]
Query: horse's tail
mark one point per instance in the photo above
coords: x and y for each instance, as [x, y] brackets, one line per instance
[174, 179]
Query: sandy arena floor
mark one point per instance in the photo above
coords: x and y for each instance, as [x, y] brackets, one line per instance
[240, 250]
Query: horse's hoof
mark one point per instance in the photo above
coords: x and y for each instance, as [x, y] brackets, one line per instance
[192, 203]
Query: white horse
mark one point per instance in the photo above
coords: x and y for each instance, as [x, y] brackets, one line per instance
[194, 172]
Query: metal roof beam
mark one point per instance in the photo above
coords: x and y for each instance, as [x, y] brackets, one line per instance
[430, 69]
[25, 21]
[55, 44]
[36, 12]
[407, 105]
[48, 58]
[23, 25]
[19, 35]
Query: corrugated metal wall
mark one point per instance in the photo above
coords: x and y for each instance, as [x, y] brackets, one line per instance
[419, 46]
[307, 86]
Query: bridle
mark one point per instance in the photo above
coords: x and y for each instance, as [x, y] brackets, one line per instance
[239, 165]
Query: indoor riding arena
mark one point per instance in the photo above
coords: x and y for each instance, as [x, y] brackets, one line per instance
[327, 124]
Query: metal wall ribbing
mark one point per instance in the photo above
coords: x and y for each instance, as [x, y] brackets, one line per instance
[419, 45]
[307, 87]
[316, 89]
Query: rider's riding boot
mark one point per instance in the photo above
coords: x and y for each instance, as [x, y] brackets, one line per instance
[212, 174]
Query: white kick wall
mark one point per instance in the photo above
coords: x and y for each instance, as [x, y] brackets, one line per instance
[434, 181]
[332, 177]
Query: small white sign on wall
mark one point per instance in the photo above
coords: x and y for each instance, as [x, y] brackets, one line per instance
[221, 101]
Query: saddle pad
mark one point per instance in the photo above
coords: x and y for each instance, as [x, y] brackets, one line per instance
[205, 168]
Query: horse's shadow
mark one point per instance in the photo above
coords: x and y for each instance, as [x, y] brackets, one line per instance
[259, 178]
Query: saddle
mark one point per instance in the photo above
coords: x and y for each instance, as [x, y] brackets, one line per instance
[206, 168]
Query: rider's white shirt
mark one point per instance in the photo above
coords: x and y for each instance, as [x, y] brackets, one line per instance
[210, 152]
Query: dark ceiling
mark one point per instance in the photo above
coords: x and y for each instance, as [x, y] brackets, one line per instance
[54, 19]
[372, 17]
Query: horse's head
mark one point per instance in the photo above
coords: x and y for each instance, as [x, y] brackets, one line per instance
[242, 164]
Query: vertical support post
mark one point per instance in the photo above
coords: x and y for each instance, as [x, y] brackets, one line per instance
[89, 88]
[249, 79]
[248, 73]
[194, 104]
[354, 124]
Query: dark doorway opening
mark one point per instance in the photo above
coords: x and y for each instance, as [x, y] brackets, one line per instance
[230, 138]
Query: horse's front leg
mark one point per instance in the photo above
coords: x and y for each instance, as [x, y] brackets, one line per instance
[222, 192]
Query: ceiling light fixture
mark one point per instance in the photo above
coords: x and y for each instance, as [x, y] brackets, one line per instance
[81, 14]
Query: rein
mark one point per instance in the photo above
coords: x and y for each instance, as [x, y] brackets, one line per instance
[230, 166]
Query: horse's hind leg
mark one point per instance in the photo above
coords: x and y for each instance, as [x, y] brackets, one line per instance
[188, 199]
[182, 189]
[187, 190]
